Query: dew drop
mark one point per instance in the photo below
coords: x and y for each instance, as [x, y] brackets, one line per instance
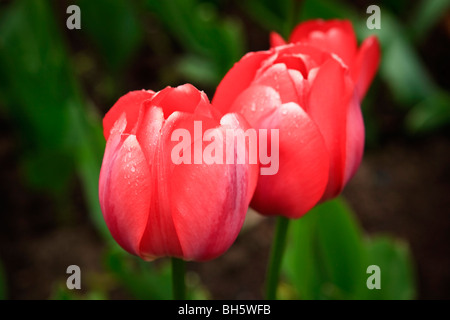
[284, 112]
[133, 169]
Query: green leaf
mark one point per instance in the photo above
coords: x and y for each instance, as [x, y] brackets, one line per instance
[326, 9]
[269, 14]
[143, 280]
[87, 139]
[408, 79]
[325, 256]
[201, 31]
[113, 27]
[33, 62]
[396, 272]
[61, 133]
[301, 264]
[149, 280]
[341, 248]
[430, 114]
[61, 292]
[198, 70]
[426, 15]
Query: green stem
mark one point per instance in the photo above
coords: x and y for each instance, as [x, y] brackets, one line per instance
[178, 283]
[276, 257]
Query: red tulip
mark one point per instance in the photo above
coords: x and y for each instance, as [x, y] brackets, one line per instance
[311, 91]
[338, 37]
[155, 207]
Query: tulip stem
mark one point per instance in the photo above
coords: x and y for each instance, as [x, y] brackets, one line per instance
[178, 283]
[276, 257]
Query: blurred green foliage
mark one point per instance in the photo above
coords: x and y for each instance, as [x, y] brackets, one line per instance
[328, 255]
[212, 43]
[114, 29]
[60, 131]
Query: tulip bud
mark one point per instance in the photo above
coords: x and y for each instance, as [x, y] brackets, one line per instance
[156, 205]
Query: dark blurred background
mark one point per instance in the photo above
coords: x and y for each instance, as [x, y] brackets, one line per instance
[56, 84]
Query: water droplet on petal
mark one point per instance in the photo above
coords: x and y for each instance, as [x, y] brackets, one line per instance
[133, 169]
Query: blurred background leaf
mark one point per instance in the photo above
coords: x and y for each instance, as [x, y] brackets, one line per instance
[430, 114]
[426, 14]
[327, 258]
[115, 30]
[62, 293]
[279, 16]
[60, 132]
[33, 64]
[397, 274]
[214, 43]
[341, 246]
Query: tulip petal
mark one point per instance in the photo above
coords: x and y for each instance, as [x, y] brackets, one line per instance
[256, 102]
[125, 191]
[162, 237]
[303, 165]
[205, 201]
[366, 64]
[276, 40]
[328, 104]
[209, 210]
[355, 139]
[278, 77]
[237, 123]
[130, 104]
[293, 62]
[238, 79]
[184, 98]
[301, 87]
[149, 129]
[335, 36]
